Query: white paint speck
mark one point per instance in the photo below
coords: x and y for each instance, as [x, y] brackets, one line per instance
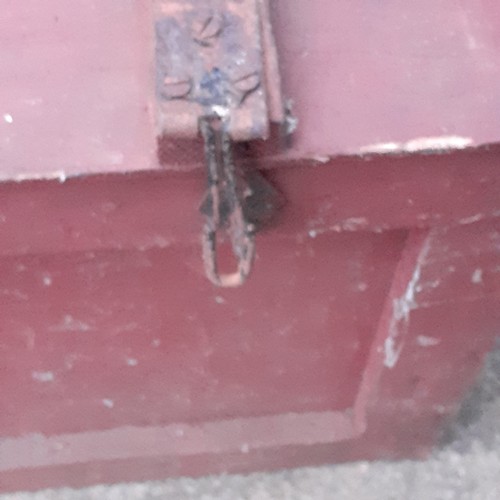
[424, 341]
[8, 118]
[321, 159]
[43, 376]
[132, 362]
[108, 403]
[313, 234]
[471, 219]
[220, 300]
[363, 287]
[391, 352]
[61, 176]
[47, 279]
[70, 324]
[477, 277]
[382, 147]
[245, 448]
[156, 343]
[354, 223]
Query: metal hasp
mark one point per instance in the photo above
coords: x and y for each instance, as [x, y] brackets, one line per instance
[217, 76]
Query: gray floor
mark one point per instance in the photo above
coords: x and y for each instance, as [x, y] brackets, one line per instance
[468, 468]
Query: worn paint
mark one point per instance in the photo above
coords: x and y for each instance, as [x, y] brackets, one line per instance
[441, 143]
[477, 277]
[424, 341]
[70, 324]
[46, 376]
[401, 309]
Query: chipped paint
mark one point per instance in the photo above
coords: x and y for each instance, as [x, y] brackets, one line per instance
[401, 309]
[391, 352]
[477, 277]
[59, 175]
[43, 376]
[471, 219]
[70, 324]
[354, 223]
[321, 159]
[424, 341]
[420, 144]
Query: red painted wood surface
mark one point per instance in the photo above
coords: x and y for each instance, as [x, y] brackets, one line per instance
[374, 298]
[78, 93]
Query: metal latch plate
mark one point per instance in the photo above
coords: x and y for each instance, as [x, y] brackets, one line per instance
[216, 57]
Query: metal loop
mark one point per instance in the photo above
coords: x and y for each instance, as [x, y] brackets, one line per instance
[223, 207]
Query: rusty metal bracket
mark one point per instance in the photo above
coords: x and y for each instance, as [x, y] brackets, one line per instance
[216, 57]
[217, 75]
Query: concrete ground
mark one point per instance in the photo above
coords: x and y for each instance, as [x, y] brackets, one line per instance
[468, 468]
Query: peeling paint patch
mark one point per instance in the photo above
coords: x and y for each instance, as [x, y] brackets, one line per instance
[424, 341]
[419, 144]
[43, 376]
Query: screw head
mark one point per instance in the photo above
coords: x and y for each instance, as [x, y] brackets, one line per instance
[206, 31]
[177, 88]
[246, 85]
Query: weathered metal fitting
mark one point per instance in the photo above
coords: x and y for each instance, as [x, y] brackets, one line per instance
[213, 55]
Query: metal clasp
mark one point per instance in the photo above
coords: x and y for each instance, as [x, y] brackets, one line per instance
[217, 75]
[224, 207]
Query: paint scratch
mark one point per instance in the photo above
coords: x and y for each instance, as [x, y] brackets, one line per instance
[401, 309]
